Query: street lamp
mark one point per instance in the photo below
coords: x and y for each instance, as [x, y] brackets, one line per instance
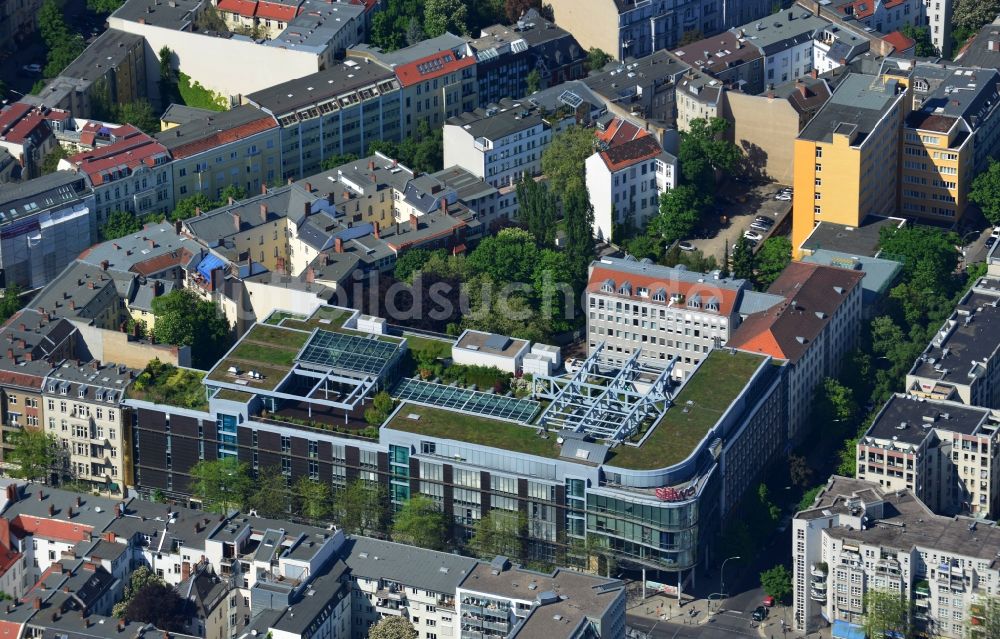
[722, 577]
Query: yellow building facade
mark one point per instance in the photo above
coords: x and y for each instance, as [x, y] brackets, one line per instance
[937, 167]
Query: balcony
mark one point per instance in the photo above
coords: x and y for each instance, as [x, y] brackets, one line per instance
[389, 607]
[818, 585]
[817, 595]
[819, 570]
[922, 588]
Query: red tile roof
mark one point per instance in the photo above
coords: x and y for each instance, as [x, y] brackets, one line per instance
[727, 297]
[226, 136]
[432, 66]
[160, 263]
[20, 121]
[261, 9]
[50, 528]
[8, 557]
[813, 293]
[241, 7]
[627, 144]
[368, 4]
[133, 148]
[899, 42]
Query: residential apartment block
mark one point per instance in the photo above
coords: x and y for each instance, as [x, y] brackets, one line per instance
[626, 176]
[857, 537]
[26, 136]
[644, 87]
[961, 363]
[846, 158]
[945, 453]
[812, 328]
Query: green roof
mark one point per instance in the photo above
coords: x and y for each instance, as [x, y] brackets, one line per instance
[435, 422]
[233, 395]
[330, 318]
[269, 350]
[710, 390]
[162, 383]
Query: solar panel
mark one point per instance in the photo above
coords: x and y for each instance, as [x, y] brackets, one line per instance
[570, 98]
[469, 401]
[348, 352]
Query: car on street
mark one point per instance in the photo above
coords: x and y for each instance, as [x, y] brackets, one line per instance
[759, 614]
[783, 197]
[753, 235]
[757, 226]
[31, 69]
[996, 232]
[763, 219]
[768, 601]
[686, 246]
[990, 241]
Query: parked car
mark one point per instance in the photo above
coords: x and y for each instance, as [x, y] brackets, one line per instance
[31, 69]
[768, 601]
[759, 613]
[763, 219]
[990, 241]
[753, 235]
[686, 246]
[757, 226]
[783, 197]
[996, 232]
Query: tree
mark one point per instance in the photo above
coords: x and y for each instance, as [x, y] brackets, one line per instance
[499, 532]
[743, 259]
[361, 508]
[51, 23]
[138, 113]
[10, 303]
[165, 57]
[140, 578]
[973, 14]
[680, 210]
[442, 16]
[392, 627]
[380, 409]
[533, 81]
[552, 272]
[777, 582]
[596, 59]
[537, 211]
[772, 258]
[160, 605]
[799, 471]
[189, 206]
[421, 523]
[984, 617]
[929, 257]
[103, 7]
[563, 160]
[514, 9]
[33, 454]
[314, 498]
[120, 224]
[410, 262]
[414, 31]
[922, 37]
[221, 485]
[509, 256]
[578, 219]
[887, 614]
[51, 162]
[268, 495]
[985, 192]
[338, 160]
[704, 151]
[184, 319]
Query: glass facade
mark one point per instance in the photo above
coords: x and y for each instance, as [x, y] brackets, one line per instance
[399, 474]
[666, 534]
[226, 425]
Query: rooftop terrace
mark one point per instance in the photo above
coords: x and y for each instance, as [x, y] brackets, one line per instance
[702, 400]
[168, 384]
[266, 350]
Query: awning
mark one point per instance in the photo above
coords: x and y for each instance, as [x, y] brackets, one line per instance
[209, 264]
[845, 630]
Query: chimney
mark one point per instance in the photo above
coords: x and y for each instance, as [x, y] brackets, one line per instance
[28, 356]
[307, 208]
[230, 200]
[376, 230]
[104, 265]
[37, 603]
[236, 221]
[374, 179]
[346, 195]
[444, 205]
[263, 189]
[152, 243]
[263, 212]
[121, 625]
[309, 187]
[197, 211]
[338, 245]
[177, 227]
[52, 510]
[118, 512]
[800, 85]
[310, 275]
[413, 222]
[41, 495]
[289, 181]
[10, 356]
[69, 512]
[72, 304]
[22, 327]
[843, 62]
[371, 165]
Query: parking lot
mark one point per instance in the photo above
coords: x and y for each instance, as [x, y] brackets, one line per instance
[740, 211]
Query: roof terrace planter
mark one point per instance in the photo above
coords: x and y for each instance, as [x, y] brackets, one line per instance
[368, 433]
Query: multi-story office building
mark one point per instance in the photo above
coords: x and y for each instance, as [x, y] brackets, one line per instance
[883, 16]
[962, 362]
[437, 87]
[645, 26]
[507, 54]
[577, 488]
[667, 315]
[858, 537]
[946, 453]
[501, 144]
[812, 328]
[83, 413]
[46, 223]
[212, 150]
[847, 157]
[340, 110]
[131, 174]
[626, 177]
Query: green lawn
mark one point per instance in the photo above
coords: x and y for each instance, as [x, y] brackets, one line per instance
[167, 384]
[719, 379]
[275, 318]
[233, 395]
[279, 337]
[427, 349]
[253, 352]
[435, 422]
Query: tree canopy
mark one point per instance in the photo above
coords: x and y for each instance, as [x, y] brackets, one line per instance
[596, 59]
[392, 627]
[361, 508]
[119, 224]
[680, 210]
[314, 498]
[10, 302]
[928, 255]
[986, 192]
[33, 455]
[421, 523]
[922, 37]
[777, 582]
[160, 605]
[772, 258]
[705, 151]
[499, 532]
[510, 255]
[64, 45]
[269, 495]
[563, 160]
[886, 613]
[221, 485]
[140, 578]
[184, 319]
[973, 14]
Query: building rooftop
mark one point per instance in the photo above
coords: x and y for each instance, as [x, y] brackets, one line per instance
[696, 408]
[177, 15]
[904, 522]
[467, 186]
[622, 144]
[213, 129]
[84, 291]
[44, 511]
[947, 93]
[533, 29]
[908, 420]
[781, 30]
[490, 343]
[267, 351]
[51, 191]
[422, 49]
[879, 273]
[984, 50]
[431, 67]
[91, 381]
[156, 248]
[351, 80]
[130, 149]
[21, 122]
[853, 240]
[969, 338]
[498, 120]
[317, 24]
[32, 338]
[438, 572]
[854, 109]
[718, 53]
[110, 49]
[170, 385]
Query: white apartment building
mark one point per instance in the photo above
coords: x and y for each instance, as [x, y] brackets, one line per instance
[670, 314]
[946, 453]
[626, 177]
[857, 537]
[937, 14]
[83, 412]
[812, 327]
[501, 144]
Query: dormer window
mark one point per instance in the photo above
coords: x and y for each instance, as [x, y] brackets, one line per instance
[626, 289]
[63, 389]
[608, 286]
[694, 302]
[82, 392]
[642, 291]
[660, 295]
[712, 304]
[52, 387]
